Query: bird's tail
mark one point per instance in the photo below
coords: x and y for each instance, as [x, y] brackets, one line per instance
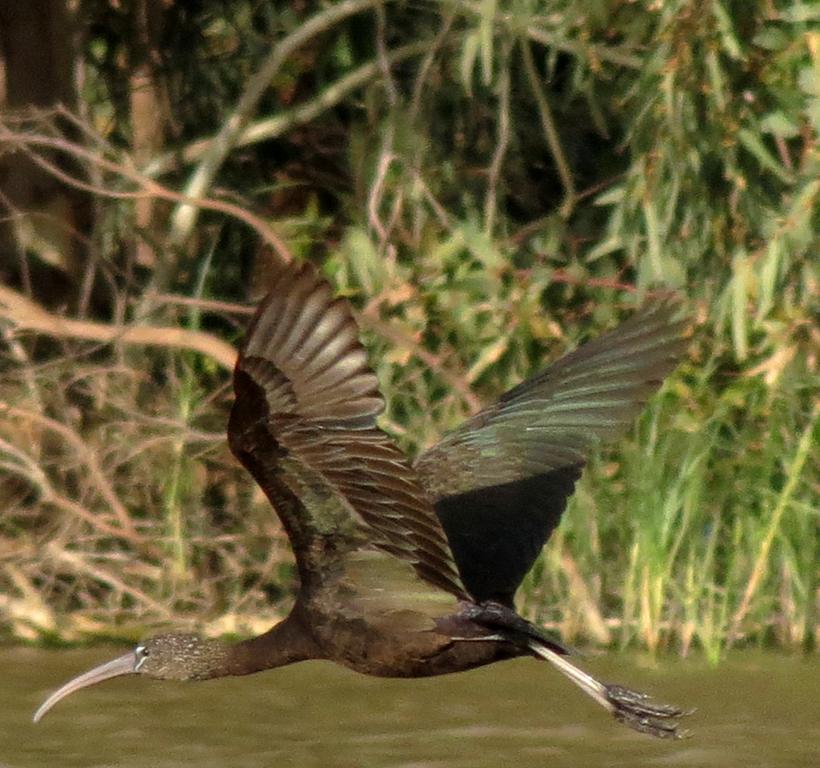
[629, 707]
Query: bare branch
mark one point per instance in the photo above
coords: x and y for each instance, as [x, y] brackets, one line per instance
[268, 128]
[550, 131]
[26, 314]
[185, 216]
[28, 142]
[88, 456]
[494, 174]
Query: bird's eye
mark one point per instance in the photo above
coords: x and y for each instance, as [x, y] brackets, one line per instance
[142, 653]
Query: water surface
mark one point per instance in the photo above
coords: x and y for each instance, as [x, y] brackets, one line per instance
[754, 711]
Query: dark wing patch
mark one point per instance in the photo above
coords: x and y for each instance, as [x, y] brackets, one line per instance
[497, 532]
[521, 456]
[304, 425]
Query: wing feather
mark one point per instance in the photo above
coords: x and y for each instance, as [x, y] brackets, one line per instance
[304, 425]
[501, 481]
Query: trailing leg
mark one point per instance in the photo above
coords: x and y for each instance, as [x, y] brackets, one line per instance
[629, 707]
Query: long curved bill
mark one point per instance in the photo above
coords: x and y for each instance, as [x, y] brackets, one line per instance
[124, 665]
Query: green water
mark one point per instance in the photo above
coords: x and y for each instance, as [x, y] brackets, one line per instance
[754, 710]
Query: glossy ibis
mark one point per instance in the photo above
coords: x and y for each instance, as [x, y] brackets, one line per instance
[409, 570]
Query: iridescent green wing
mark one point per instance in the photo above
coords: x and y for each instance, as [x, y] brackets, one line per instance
[501, 481]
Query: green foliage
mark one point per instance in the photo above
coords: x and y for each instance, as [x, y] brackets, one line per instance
[520, 181]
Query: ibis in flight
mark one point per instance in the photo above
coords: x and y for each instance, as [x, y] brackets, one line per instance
[409, 569]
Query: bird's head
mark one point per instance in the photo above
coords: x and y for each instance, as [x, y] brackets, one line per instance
[164, 657]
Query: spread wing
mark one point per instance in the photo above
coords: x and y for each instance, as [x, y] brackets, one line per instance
[304, 425]
[501, 481]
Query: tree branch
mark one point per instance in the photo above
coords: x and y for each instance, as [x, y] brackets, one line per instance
[28, 142]
[185, 216]
[27, 315]
[550, 131]
[273, 127]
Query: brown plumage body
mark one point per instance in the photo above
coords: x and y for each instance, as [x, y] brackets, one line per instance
[408, 645]
[411, 570]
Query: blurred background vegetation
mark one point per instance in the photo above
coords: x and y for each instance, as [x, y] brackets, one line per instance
[490, 183]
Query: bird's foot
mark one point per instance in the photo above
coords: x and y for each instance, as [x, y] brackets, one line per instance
[638, 712]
